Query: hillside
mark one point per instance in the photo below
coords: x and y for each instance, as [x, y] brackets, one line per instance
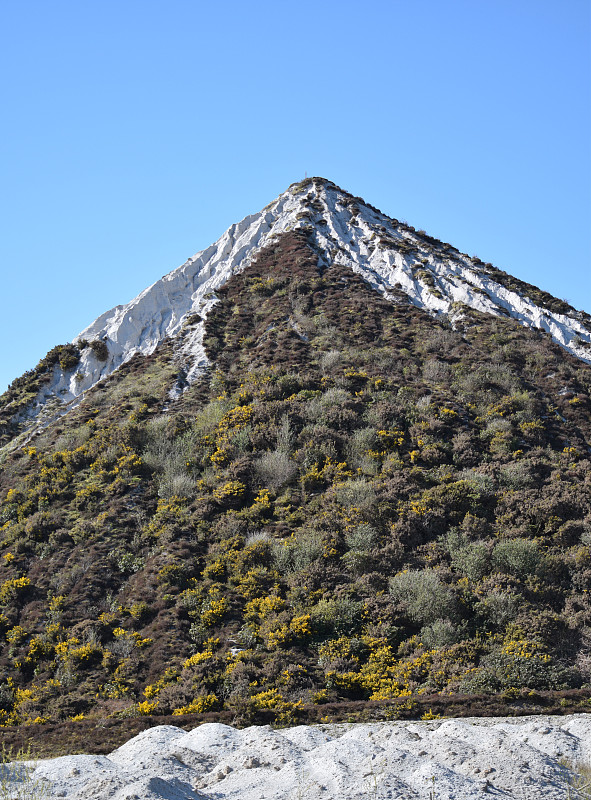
[352, 499]
[390, 255]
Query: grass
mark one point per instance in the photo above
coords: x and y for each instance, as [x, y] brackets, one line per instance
[577, 781]
[375, 776]
[16, 776]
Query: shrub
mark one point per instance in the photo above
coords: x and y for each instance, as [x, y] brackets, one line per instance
[285, 710]
[360, 540]
[517, 664]
[169, 455]
[293, 555]
[362, 537]
[441, 633]
[519, 557]
[317, 410]
[231, 491]
[499, 608]
[360, 445]
[342, 617]
[518, 475]
[275, 469]
[176, 485]
[99, 349]
[213, 609]
[576, 779]
[423, 595]
[436, 371]
[69, 357]
[198, 706]
[356, 493]
[471, 559]
[330, 361]
[14, 588]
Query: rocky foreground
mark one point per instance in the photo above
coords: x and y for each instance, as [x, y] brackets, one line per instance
[451, 759]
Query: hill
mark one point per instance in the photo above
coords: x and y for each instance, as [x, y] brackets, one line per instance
[314, 493]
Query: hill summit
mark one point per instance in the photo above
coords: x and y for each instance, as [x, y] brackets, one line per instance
[394, 258]
[329, 462]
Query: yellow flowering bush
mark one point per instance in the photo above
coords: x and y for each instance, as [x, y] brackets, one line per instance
[197, 706]
[231, 490]
[214, 608]
[14, 589]
[272, 699]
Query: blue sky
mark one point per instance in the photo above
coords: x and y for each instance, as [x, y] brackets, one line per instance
[135, 132]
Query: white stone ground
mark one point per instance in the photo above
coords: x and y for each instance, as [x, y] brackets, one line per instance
[451, 759]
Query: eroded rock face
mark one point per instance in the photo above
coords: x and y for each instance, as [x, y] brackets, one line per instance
[528, 757]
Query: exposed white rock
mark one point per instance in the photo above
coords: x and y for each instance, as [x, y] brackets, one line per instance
[388, 254]
[454, 759]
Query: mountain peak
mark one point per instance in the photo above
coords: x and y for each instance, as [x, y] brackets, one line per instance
[394, 258]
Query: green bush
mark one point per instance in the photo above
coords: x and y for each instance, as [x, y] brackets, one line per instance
[341, 617]
[99, 349]
[499, 608]
[441, 633]
[357, 493]
[294, 555]
[423, 595]
[275, 469]
[518, 664]
[467, 558]
[519, 557]
[362, 537]
[169, 456]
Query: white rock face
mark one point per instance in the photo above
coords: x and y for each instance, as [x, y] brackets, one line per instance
[386, 253]
[452, 759]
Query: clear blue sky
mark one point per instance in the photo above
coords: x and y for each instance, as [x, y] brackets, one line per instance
[135, 132]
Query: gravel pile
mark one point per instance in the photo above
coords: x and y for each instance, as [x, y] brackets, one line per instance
[451, 759]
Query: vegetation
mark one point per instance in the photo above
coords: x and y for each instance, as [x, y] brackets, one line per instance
[16, 776]
[22, 392]
[577, 781]
[355, 505]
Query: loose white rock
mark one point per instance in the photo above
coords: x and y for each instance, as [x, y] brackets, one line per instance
[456, 759]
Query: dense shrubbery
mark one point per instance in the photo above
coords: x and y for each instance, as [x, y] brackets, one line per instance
[381, 507]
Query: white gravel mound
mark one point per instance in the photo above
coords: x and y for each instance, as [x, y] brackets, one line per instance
[524, 758]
